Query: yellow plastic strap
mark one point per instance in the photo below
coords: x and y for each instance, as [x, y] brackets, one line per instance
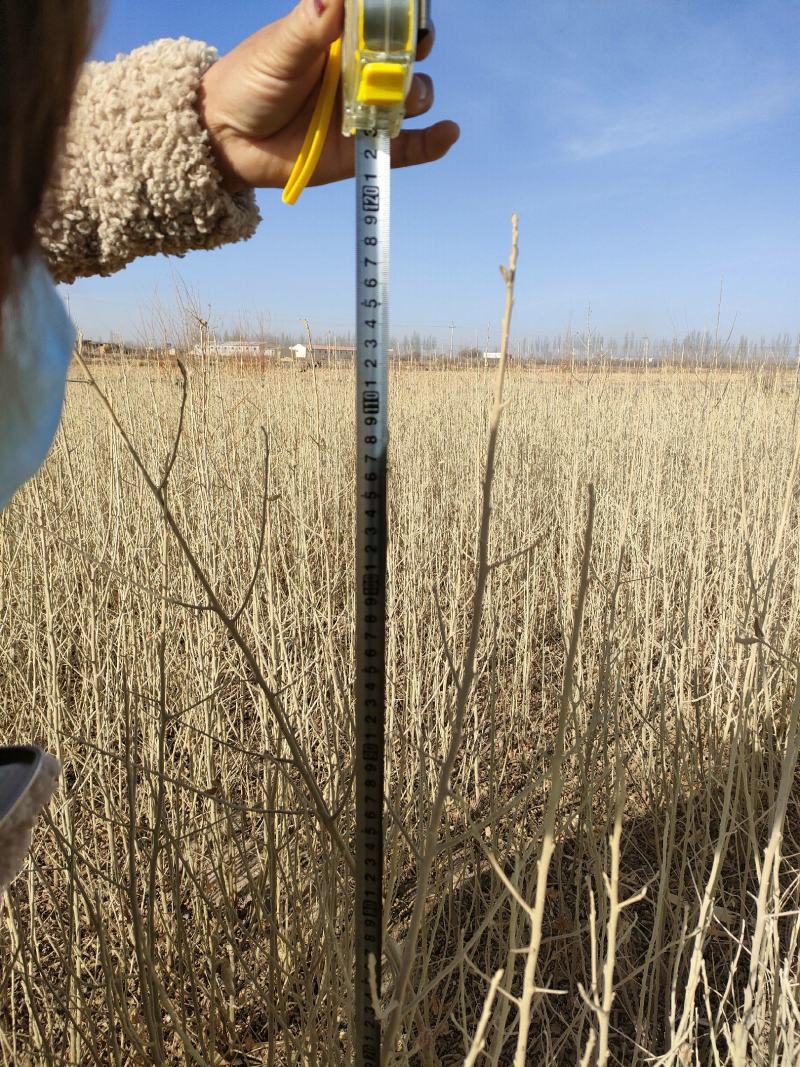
[306, 164]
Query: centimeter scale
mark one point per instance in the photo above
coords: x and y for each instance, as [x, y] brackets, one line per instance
[375, 60]
[372, 333]
[379, 48]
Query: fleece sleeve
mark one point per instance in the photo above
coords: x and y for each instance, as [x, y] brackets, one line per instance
[137, 175]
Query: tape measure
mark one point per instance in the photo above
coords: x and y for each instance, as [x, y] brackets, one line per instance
[375, 60]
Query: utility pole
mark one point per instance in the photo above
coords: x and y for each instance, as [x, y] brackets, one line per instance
[452, 327]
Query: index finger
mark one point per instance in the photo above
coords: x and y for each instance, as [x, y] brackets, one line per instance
[426, 44]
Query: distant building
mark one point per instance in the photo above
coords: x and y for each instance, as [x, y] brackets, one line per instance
[492, 357]
[333, 351]
[271, 350]
[237, 348]
[233, 348]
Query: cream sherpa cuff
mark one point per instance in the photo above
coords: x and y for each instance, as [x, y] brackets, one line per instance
[137, 174]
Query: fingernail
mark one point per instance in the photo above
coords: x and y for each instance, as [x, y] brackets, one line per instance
[319, 7]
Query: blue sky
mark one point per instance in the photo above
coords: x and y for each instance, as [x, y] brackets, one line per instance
[651, 148]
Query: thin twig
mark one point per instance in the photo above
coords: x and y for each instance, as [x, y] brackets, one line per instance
[301, 763]
[482, 571]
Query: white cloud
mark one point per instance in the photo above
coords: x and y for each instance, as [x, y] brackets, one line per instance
[675, 120]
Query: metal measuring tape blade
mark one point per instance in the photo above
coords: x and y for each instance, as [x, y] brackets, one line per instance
[378, 51]
[372, 329]
[374, 60]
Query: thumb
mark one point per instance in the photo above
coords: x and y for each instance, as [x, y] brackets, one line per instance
[304, 35]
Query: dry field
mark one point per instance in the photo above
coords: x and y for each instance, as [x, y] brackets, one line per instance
[621, 838]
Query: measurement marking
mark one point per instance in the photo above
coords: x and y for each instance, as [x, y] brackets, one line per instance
[372, 278]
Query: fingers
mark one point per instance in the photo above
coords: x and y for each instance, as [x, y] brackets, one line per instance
[304, 35]
[413, 147]
[420, 96]
[426, 44]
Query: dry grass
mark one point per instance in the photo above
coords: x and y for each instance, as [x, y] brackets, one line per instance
[185, 905]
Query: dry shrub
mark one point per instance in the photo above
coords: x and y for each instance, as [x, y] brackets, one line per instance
[184, 904]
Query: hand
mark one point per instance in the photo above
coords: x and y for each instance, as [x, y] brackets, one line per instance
[257, 102]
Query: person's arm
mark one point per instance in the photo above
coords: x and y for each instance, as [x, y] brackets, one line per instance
[165, 145]
[137, 174]
[257, 103]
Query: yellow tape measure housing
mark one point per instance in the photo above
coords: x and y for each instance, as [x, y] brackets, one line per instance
[378, 50]
[375, 58]
[382, 85]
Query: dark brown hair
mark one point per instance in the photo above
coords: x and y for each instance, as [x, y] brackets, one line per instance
[42, 46]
